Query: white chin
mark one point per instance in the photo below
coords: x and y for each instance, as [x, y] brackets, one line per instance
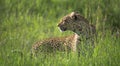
[60, 29]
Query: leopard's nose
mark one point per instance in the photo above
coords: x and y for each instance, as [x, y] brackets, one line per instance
[58, 25]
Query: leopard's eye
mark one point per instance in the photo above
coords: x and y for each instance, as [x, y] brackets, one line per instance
[65, 20]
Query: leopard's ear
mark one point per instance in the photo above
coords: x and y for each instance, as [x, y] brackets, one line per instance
[74, 15]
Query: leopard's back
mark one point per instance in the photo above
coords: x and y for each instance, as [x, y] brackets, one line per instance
[52, 45]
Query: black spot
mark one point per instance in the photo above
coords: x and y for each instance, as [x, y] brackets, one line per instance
[75, 17]
[80, 29]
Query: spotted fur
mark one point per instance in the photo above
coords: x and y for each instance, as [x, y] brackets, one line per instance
[73, 22]
[51, 45]
[80, 26]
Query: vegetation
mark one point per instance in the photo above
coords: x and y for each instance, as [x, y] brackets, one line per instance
[24, 22]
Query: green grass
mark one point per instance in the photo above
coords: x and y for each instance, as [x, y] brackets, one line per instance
[24, 22]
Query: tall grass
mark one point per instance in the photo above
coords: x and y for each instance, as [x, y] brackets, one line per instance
[24, 22]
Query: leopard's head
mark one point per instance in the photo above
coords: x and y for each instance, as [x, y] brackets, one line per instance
[72, 22]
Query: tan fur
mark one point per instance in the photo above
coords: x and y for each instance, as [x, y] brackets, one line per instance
[51, 45]
[80, 26]
[73, 22]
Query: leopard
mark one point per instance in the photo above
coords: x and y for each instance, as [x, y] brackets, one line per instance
[85, 31]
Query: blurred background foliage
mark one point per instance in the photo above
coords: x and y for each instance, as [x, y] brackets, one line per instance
[96, 10]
